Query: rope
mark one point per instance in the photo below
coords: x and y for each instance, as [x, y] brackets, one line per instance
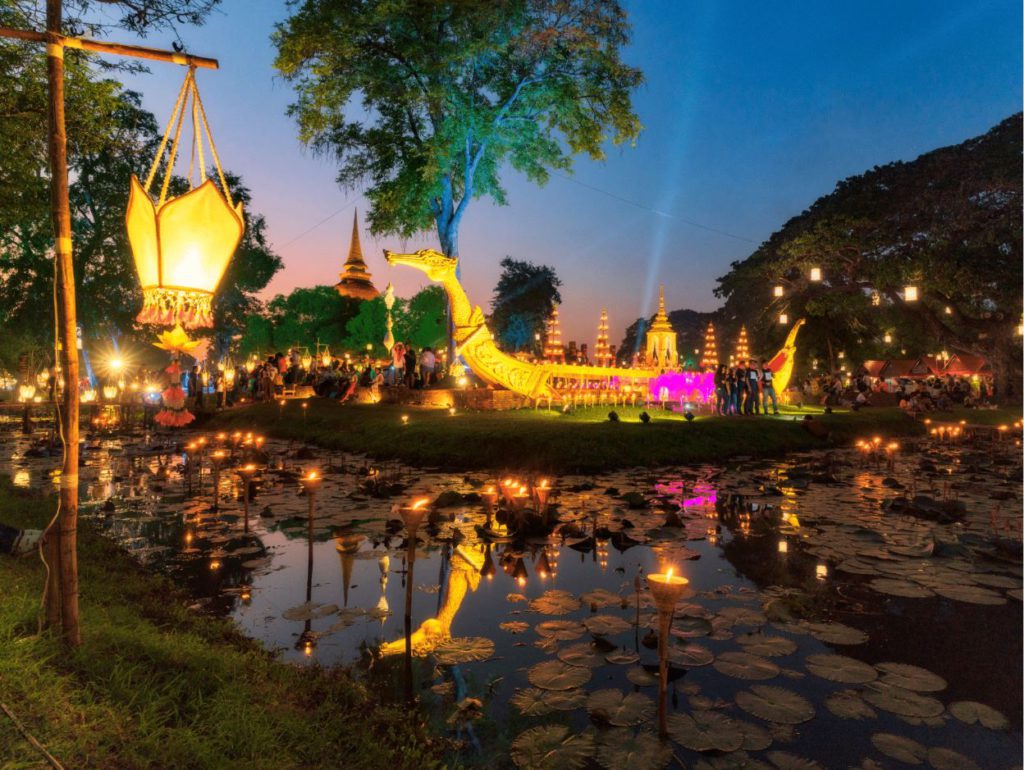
[213, 148]
[174, 153]
[167, 134]
[54, 762]
[195, 130]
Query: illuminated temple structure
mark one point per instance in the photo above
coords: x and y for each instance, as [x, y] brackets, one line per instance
[355, 278]
[661, 338]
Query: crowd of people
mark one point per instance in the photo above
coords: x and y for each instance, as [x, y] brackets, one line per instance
[913, 395]
[745, 389]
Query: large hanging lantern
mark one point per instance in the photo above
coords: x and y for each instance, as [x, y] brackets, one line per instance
[182, 245]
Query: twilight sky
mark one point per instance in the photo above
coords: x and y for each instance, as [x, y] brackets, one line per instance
[751, 110]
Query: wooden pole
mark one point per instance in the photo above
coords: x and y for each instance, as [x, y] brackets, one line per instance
[66, 332]
[117, 49]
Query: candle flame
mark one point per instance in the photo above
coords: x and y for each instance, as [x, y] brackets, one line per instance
[420, 503]
[668, 575]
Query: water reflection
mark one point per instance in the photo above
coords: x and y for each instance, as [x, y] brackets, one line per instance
[921, 558]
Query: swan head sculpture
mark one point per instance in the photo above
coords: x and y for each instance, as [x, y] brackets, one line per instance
[436, 265]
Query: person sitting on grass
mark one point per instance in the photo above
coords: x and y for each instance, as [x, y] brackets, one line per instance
[18, 542]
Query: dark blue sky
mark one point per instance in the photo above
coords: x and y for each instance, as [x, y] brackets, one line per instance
[751, 110]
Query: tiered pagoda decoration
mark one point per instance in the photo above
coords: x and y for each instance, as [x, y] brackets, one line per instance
[355, 278]
[661, 338]
[742, 350]
[602, 353]
[553, 350]
[709, 358]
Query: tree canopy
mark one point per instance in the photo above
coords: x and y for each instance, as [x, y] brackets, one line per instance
[426, 102]
[523, 300]
[947, 224]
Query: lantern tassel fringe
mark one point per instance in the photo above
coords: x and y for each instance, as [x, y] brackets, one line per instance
[168, 307]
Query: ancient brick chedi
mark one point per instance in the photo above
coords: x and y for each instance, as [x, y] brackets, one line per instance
[356, 280]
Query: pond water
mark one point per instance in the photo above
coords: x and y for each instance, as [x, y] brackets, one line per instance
[828, 620]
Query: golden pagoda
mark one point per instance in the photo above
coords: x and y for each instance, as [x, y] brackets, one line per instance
[661, 338]
[709, 358]
[602, 352]
[355, 278]
[553, 350]
[742, 346]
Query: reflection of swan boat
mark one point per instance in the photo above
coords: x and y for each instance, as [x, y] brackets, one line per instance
[463, 576]
[475, 344]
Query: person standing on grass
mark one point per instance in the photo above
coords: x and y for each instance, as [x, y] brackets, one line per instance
[753, 388]
[721, 392]
[768, 388]
[427, 362]
[398, 363]
[410, 365]
[739, 396]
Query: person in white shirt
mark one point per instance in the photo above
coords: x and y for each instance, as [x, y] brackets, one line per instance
[768, 388]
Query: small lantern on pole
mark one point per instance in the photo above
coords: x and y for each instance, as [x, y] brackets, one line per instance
[389, 302]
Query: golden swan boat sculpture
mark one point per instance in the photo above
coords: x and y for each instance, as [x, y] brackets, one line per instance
[475, 343]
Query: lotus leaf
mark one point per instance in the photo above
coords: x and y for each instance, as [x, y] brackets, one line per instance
[766, 644]
[620, 709]
[971, 711]
[783, 760]
[743, 665]
[641, 677]
[530, 702]
[463, 650]
[898, 700]
[690, 655]
[901, 748]
[840, 668]
[565, 700]
[911, 677]
[970, 594]
[622, 657]
[552, 747]
[775, 704]
[582, 654]
[705, 731]
[556, 675]
[606, 625]
[947, 759]
[620, 748]
[514, 626]
[561, 630]
[897, 587]
[555, 602]
[848, 704]
[837, 633]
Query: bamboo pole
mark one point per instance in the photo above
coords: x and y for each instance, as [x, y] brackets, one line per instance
[67, 335]
[60, 543]
[117, 49]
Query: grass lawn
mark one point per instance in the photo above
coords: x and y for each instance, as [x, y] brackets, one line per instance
[552, 442]
[156, 686]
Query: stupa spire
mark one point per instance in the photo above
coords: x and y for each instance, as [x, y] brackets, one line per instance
[356, 280]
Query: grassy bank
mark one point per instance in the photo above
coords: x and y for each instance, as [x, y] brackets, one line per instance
[550, 441]
[156, 686]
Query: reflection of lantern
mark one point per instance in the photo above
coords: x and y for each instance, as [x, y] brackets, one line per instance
[109, 392]
[910, 293]
[89, 395]
[182, 245]
[815, 273]
[26, 392]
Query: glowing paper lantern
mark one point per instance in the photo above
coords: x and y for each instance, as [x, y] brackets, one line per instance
[778, 291]
[182, 245]
[910, 293]
[815, 273]
[783, 319]
[887, 338]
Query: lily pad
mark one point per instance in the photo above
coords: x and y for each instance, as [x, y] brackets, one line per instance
[738, 760]
[622, 657]
[766, 644]
[840, 668]
[690, 655]
[556, 675]
[530, 702]
[947, 759]
[836, 633]
[899, 747]
[688, 627]
[582, 654]
[514, 626]
[641, 677]
[705, 731]
[897, 700]
[620, 748]
[620, 709]
[555, 602]
[561, 630]
[601, 597]
[755, 738]
[775, 704]
[552, 747]
[565, 700]
[742, 616]
[783, 760]
[849, 704]
[897, 587]
[463, 650]
[743, 665]
[606, 625]
[911, 677]
[971, 712]
[970, 594]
